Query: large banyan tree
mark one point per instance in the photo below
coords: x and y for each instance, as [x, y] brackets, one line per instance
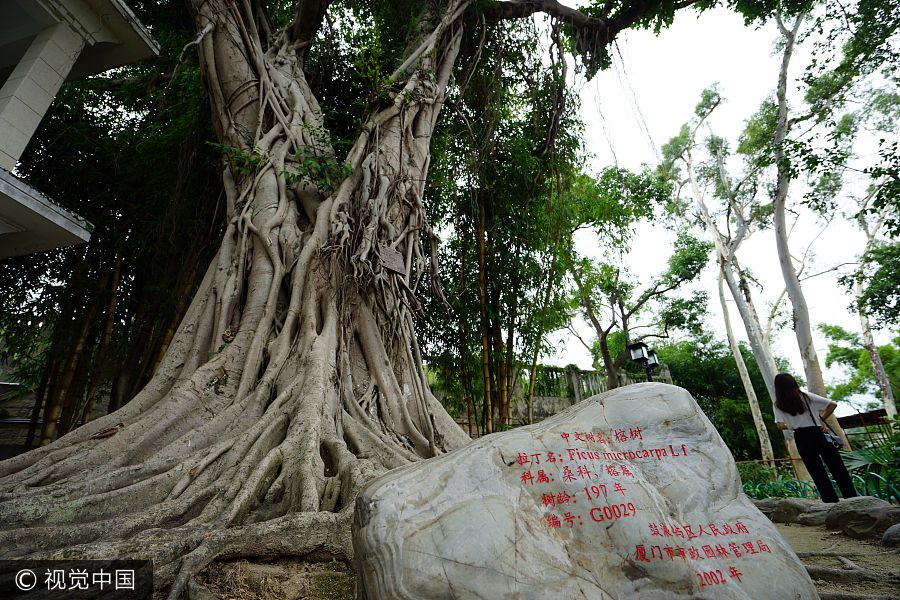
[295, 376]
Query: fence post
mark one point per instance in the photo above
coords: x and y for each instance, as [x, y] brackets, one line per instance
[575, 379]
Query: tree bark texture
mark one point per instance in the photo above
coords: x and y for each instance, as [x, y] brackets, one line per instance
[884, 385]
[765, 444]
[802, 327]
[730, 272]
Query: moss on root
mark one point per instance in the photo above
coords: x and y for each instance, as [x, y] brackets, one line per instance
[336, 583]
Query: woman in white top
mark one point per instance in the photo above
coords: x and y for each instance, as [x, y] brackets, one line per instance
[803, 412]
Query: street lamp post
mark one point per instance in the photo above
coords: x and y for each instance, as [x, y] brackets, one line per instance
[652, 363]
[642, 355]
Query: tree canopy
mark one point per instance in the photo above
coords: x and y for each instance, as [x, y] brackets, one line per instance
[845, 348]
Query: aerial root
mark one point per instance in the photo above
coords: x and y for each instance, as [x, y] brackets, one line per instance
[256, 486]
[252, 451]
[68, 490]
[180, 553]
[349, 474]
[47, 509]
[191, 474]
[368, 442]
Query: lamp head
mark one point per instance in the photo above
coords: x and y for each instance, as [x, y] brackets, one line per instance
[638, 352]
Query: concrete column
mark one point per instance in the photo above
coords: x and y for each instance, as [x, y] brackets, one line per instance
[27, 94]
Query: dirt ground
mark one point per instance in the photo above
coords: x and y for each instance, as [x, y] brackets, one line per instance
[845, 563]
[284, 580]
[844, 569]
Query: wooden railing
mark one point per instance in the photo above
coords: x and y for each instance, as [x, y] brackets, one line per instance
[556, 388]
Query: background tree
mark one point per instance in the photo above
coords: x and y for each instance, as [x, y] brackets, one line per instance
[759, 420]
[878, 117]
[705, 367]
[738, 212]
[610, 302]
[868, 341]
[848, 349]
[730, 210]
[502, 167]
[782, 144]
[880, 270]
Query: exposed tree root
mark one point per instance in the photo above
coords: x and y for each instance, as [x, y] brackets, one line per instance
[843, 596]
[836, 554]
[313, 536]
[850, 573]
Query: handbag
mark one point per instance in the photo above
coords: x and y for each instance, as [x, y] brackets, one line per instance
[834, 440]
[831, 438]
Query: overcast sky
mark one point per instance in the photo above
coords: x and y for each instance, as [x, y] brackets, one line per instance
[631, 110]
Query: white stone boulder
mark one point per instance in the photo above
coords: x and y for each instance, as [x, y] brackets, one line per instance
[630, 494]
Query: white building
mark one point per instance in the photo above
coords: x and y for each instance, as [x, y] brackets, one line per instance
[44, 43]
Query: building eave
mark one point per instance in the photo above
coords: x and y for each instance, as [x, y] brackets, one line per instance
[32, 222]
[130, 41]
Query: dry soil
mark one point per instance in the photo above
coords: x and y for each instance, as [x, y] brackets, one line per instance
[818, 547]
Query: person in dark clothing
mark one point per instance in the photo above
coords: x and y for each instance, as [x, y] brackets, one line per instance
[804, 413]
